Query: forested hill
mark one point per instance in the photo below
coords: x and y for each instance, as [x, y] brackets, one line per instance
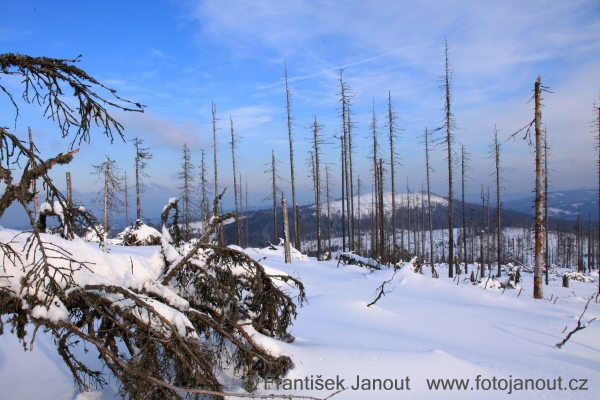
[258, 224]
[563, 204]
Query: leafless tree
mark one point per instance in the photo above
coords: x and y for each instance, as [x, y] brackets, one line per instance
[275, 178]
[316, 141]
[426, 139]
[288, 104]
[393, 128]
[464, 157]
[234, 142]
[142, 154]
[448, 126]
[186, 195]
[204, 190]
[495, 153]
[112, 188]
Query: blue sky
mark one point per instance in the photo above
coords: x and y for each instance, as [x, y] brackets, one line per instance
[176, 57]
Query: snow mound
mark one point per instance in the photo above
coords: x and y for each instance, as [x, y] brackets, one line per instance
[140, 234]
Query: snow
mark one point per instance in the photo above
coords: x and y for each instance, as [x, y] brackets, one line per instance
[422, 328]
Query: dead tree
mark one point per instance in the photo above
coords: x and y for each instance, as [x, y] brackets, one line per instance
[449, 125]
[288, 103]
[464, 157]
[328, 198]
[220, 233]
[112, 188]
[125, 195]
[546, 218]
[374, 157]
[276, 188]
[142, 154]
[496, 154]
[316, 142]
[286, 231]
[234, 141]
[482, 275]
[187, 179]
[383, 253]
[539, 220]
[204, 192]
[426, 138]
[393, 136]
[596, 125]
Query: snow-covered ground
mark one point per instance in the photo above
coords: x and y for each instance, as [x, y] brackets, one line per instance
[422, 329]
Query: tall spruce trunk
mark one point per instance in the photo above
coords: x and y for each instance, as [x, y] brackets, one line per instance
[546, 219]
[106, 176]
[288, 103]
[449, 124]
[431, 253]
[538, 291]
[499, 205]
[382, 250]
[274, 172]
[464, 223]
[392, 136]
[286, 231]
[235, 187]
[317, 177]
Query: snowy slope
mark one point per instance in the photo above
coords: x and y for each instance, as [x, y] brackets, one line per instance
[422, 329]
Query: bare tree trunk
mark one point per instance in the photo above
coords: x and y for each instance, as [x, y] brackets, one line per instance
[498, 204]
[126, 191]
[328, 197]
[463, 158]
[546, 219]
[219, 231]
[316, 141]
[358, 185]
[350, 175]
[343, 146]
[482, 232]
[408, 228]
[288, 102]
[235, 187]
[204, 205]
[33, 182]
[392, 135]
[106, 176]
[274, 195]
[375, 179]
[422, 223]
[70, 194]
[449, 124]
[428, 169]
[538, 291]
[382, 251]
[247, 216]
[141, 155]
[286, 231]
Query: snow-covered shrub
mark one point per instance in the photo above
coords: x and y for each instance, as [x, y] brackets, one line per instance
[140, 234]
[578, 276]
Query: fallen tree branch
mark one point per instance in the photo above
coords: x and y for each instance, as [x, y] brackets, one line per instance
[381, 288]
[579, 326]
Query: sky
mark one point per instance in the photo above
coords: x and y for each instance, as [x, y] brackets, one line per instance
[178, 57]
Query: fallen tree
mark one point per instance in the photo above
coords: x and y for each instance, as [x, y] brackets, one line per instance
[163, 327]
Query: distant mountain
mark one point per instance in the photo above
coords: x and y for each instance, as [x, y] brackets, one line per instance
[562, 204]
[260, 222]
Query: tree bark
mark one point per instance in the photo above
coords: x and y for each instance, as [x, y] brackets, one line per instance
[538, 291]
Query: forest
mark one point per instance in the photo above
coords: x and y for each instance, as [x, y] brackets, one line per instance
[165, 325]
